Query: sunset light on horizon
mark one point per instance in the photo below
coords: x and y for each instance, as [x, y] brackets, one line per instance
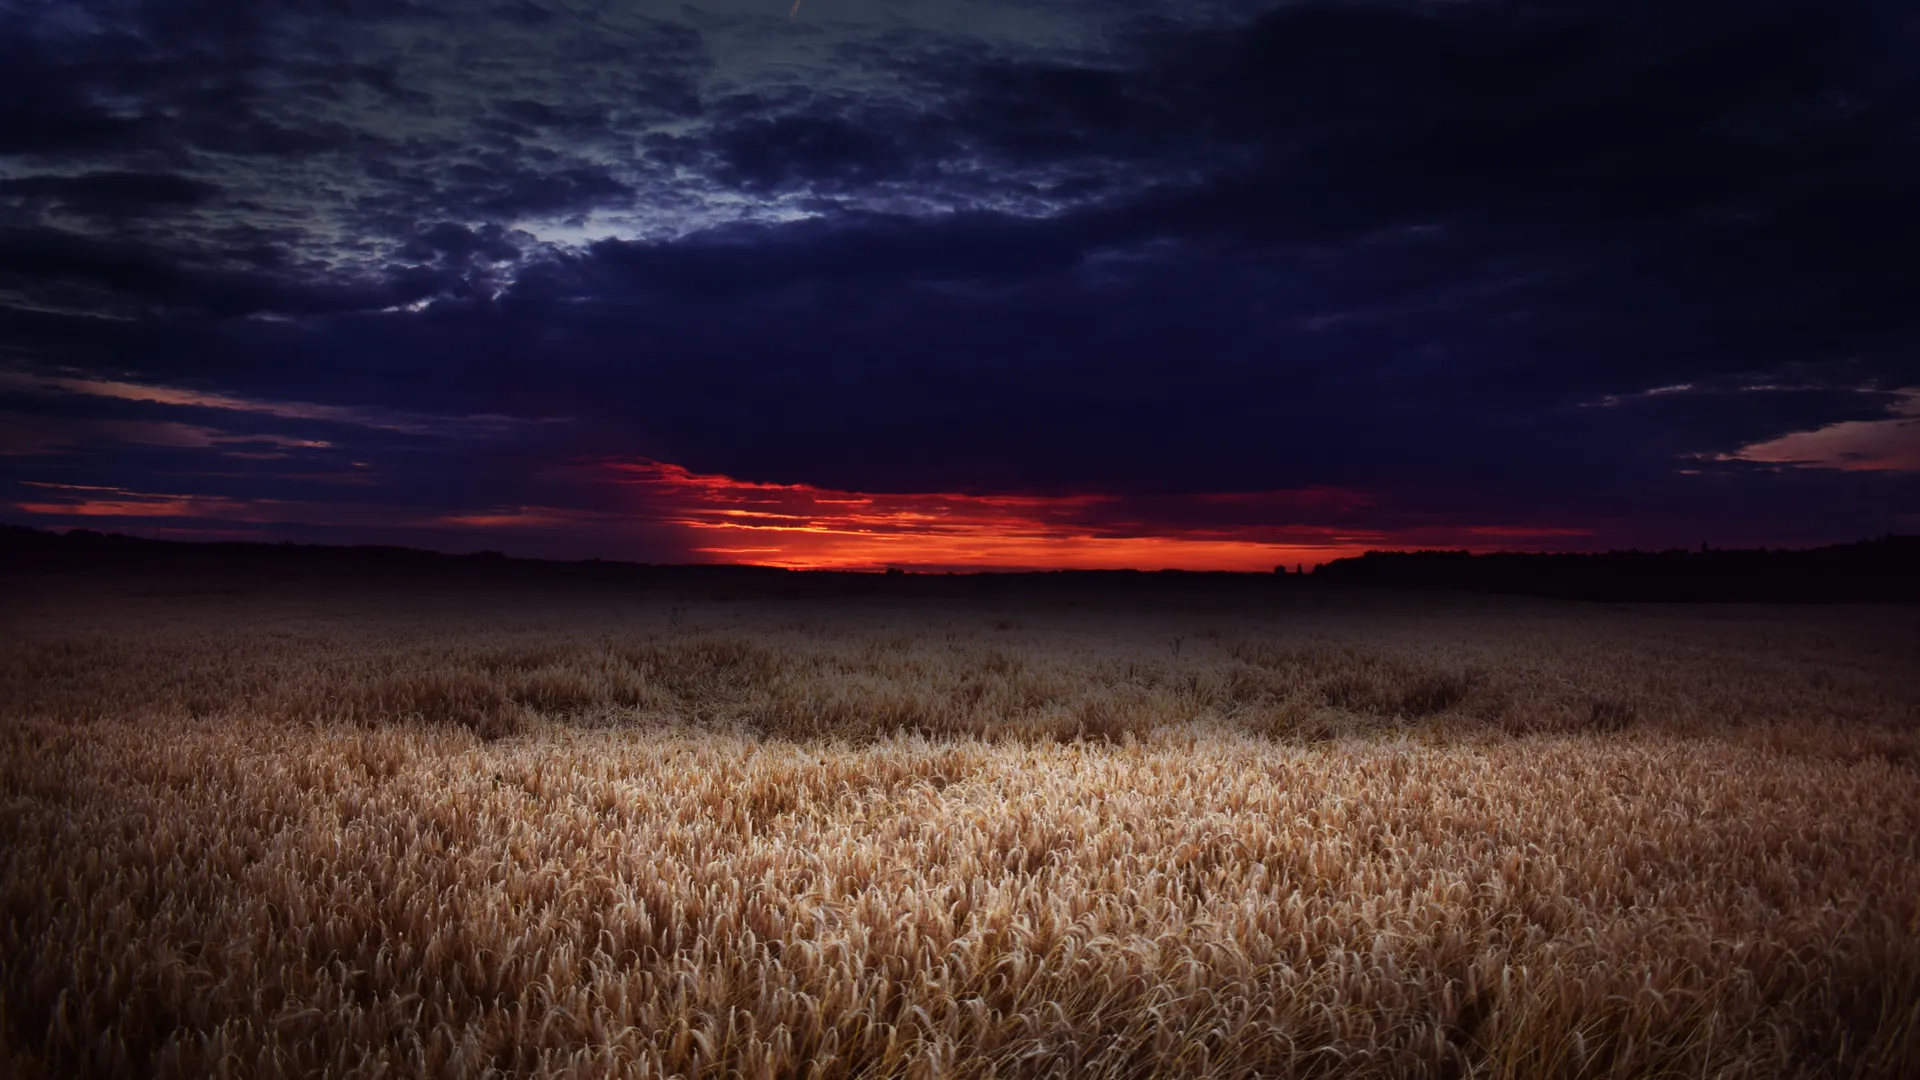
[800, 526]
[711, 518]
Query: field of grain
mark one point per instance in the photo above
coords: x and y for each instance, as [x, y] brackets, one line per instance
[281, 833]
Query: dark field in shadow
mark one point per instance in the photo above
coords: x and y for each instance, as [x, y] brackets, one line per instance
[453, 825]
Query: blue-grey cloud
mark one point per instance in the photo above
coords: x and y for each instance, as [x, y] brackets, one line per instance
[1505, 261]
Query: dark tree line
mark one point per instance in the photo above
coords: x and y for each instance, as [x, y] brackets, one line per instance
[1872, 570]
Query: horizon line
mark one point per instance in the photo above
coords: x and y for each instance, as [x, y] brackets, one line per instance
[921, 569]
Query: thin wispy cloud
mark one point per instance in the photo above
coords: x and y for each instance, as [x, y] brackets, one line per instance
[1889, 445]
[354, 416]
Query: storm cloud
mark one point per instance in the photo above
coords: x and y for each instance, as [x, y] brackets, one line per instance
[1569, 274]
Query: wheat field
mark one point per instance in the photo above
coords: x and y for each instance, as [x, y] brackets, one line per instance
[281, 832]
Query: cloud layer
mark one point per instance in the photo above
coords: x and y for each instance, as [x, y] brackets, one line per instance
[1558, 274]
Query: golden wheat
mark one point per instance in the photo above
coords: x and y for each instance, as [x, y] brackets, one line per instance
[418, 837]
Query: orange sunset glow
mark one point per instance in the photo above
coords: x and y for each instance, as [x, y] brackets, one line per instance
[712, 518]
[805, 527]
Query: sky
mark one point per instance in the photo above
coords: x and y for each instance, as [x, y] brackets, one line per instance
[962, 284]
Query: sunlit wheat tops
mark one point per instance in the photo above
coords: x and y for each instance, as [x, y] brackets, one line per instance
[790, 842]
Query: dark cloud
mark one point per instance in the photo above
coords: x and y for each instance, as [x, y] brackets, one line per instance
[539, 114]
[794, 150]
[459, 244]
[111, 194]
[127, 278]
[1553, 261]
[64, 119]
[564, 191]
[839, 249]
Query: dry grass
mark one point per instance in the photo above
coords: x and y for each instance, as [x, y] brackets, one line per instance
[422, 838]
